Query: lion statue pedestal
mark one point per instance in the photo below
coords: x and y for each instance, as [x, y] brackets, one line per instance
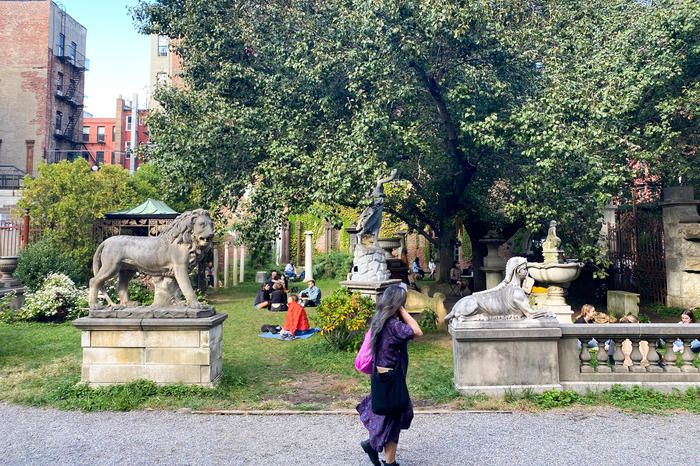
[171, 341]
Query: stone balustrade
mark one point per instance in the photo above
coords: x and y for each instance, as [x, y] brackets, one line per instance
[586, 364]
[497, 357]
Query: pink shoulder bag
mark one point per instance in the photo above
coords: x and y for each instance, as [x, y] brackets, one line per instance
[363, 360]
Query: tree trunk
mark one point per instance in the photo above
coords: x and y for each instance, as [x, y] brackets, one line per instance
[446, 244]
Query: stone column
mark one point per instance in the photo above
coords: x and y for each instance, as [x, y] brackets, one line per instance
[308, 263]
[494, 265]
[682, 247]
[298, 232]
[216, 267]
[242, 274]
[352, 232]
[285, 242]
[226, 252]
[235, 266]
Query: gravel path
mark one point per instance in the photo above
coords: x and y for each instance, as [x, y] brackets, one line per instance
[44, 437]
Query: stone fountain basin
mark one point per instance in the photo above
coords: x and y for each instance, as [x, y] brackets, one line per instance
[554, 273]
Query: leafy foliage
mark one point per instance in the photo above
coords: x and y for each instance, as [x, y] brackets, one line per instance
[46, 256]
[332, 265]
[428, 320]
[343, 318]
[56, 300]
[140, 290]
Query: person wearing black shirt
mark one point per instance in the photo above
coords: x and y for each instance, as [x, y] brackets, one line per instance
[262, 299]
[278, 298]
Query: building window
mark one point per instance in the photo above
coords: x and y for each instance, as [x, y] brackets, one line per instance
[161, 79]
[59, 84]
[114, 133]
[128, 146]
[111, 158]
[162, 46]
[73, 52]
[86, 155]
[61, 45]
[86, 134]
[100, 134]
[128, 123]
[59, 120]
[100, 157]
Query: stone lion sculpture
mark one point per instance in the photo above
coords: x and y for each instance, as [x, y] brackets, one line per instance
[168, 258]
[507, 300]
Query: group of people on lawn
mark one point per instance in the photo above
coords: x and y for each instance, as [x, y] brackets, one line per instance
[273, 297]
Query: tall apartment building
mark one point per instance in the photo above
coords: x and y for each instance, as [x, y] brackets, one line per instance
[165, 66]
[108, 140]
[42, 67]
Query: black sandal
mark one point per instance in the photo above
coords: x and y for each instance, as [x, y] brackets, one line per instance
[371, 452]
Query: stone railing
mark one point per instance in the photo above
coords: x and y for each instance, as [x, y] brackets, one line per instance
[498, 357]
[632, 359]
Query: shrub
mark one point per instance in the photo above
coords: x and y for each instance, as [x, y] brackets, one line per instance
[428, 320]
[56, 300]
[140, 290]
[557, 399]
[343, 318]
[334, 265]
[47, 256]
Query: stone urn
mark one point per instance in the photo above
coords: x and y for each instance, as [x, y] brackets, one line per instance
[8, 264]
[557, 274]
[389, 245]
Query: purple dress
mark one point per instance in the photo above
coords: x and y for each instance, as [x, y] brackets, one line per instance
[392, 345]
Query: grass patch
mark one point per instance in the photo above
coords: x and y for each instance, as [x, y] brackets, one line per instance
[40, 366]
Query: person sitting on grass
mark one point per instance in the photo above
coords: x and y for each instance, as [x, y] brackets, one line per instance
[417, 269]
[296, 319]
[262, 299]
[311, 295]
[290, 271]
[278, 298]
[275, 278]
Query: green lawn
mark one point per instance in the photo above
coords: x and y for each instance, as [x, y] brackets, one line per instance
[40, 365]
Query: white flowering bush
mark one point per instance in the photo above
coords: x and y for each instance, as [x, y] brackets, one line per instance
[57, 299]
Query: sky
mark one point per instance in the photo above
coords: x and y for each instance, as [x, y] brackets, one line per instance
[119, 56]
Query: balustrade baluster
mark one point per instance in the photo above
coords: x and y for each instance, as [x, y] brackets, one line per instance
[636, 357]
[602, 357]
[653, 358]
[585, 358]
[619, 357]
[670, 359]
[688, 357]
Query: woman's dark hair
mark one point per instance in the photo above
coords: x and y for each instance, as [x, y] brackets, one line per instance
[263, 285]
[689, 313]
[393, 298]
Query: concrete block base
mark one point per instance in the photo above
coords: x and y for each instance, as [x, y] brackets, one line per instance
[494, 357]
[165, 351]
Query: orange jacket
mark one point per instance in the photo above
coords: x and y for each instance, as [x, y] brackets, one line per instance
[296, 318]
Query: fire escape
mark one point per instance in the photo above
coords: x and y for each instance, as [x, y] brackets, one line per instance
[70, 93]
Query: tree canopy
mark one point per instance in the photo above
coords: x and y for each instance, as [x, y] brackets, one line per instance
[493, 112]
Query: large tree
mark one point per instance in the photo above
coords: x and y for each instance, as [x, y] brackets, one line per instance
[481, 106]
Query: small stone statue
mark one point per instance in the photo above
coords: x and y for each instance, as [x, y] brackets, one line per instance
[552, 241]
[370, 221]
[507, 300]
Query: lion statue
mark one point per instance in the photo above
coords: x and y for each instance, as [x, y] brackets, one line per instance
[168, 258]
[507, 300]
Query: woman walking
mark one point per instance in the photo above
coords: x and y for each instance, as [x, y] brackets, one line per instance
[391, 328]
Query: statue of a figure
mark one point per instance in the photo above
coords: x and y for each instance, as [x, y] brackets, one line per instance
[552, 241]
[370, 221]
[507, 300]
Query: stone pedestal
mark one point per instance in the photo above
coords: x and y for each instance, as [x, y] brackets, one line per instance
[494, 275]
[369, 265]
[371, 289]
[166, 351]
[495, 357]
[494, 265]
[622, 303]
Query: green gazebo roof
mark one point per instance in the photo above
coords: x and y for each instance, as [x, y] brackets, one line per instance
[151, 208]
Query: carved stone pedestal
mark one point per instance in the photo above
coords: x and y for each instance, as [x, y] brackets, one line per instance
[166, 351]
[371, 289]
[498, 356]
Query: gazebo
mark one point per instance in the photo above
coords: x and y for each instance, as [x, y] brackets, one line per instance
[147, 219]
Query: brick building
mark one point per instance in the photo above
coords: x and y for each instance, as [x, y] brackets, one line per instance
[165, 66]
[42, 66]
[108, 140]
